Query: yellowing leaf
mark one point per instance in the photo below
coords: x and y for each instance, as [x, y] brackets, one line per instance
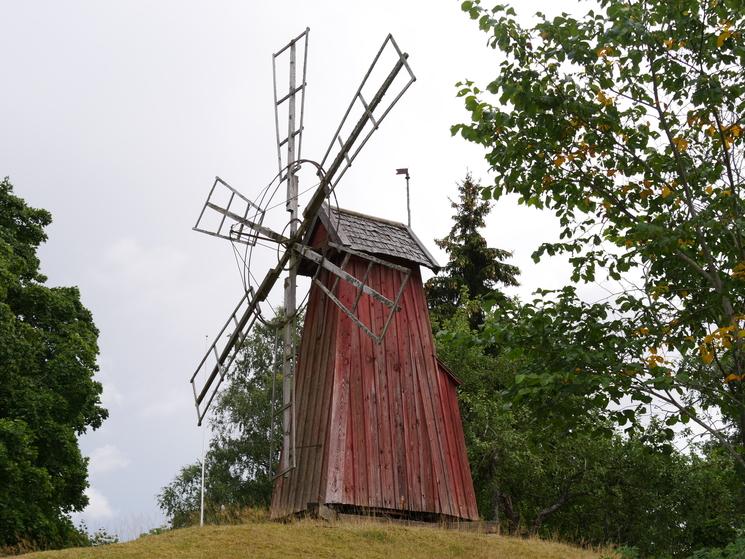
[709, 189]
[669, 43]
[602, 51]
[666, 191]
[738, 272]
[732, 377]
[559, 160]
[681, 144]
[706, 355]
[723, 36]
[604, 99]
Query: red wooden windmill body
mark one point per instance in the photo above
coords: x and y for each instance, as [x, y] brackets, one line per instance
[378, 424]
[370, 417]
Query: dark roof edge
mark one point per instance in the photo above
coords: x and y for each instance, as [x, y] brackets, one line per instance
[324, 215]
[448, 371]
[435, 267]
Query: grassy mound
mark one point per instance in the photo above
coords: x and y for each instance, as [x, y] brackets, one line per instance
[311, 538]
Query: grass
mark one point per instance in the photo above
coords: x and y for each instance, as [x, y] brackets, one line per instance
[314, 538]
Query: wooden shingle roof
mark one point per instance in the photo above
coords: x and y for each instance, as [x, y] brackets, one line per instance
[376, 236]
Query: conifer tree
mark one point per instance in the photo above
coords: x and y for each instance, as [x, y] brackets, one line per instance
[474, 268]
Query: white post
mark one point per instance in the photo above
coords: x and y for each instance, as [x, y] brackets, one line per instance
[201, 505]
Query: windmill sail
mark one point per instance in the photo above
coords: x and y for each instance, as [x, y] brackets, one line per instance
[216, 362]
[230, 215]
[349, 139]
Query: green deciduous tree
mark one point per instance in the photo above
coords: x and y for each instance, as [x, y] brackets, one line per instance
[238, 463]
[628, 125]
[474, 269]
[48, 349]
[579, 479]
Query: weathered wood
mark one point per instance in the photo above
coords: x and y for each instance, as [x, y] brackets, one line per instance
[378, 424]
[383, 363]
[323, 405]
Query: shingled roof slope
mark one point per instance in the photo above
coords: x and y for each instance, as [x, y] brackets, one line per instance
[376, 236]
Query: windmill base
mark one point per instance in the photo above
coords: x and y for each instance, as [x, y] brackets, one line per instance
[348, 513]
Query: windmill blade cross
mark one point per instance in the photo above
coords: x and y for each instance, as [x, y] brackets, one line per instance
[374, 112]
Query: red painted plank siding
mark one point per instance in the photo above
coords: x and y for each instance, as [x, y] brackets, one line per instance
[378, 425]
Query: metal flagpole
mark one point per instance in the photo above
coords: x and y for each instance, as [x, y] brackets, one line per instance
[204, 456]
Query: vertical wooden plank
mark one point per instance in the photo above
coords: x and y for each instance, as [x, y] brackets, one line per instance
[384, 361]
[368, 373]
[452, 450]
[349, 474]
[324, 404]
[397, 449]
[409, 454]
[340, 420]
[433, 387]
[471, 509]
[310, 451]
[423, 451]
[420, 487]
[429, 397]
[357, 408]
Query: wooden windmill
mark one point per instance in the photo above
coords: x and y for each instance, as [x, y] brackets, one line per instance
[370, 418]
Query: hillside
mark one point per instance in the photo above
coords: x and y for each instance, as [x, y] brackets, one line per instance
[310, 538]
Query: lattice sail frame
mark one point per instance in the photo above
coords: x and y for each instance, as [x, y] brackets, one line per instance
[339, 153]
[240, 219]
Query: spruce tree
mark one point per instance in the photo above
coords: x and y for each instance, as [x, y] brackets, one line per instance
[474, 269]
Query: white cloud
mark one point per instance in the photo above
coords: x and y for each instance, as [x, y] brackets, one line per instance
[111, 396]
[98, 507]
[107, 458]
[172, 403]
[137, 265]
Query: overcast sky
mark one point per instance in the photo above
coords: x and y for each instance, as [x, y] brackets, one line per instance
[116, 117]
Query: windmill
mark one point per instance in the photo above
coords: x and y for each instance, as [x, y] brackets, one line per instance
[347, 293]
